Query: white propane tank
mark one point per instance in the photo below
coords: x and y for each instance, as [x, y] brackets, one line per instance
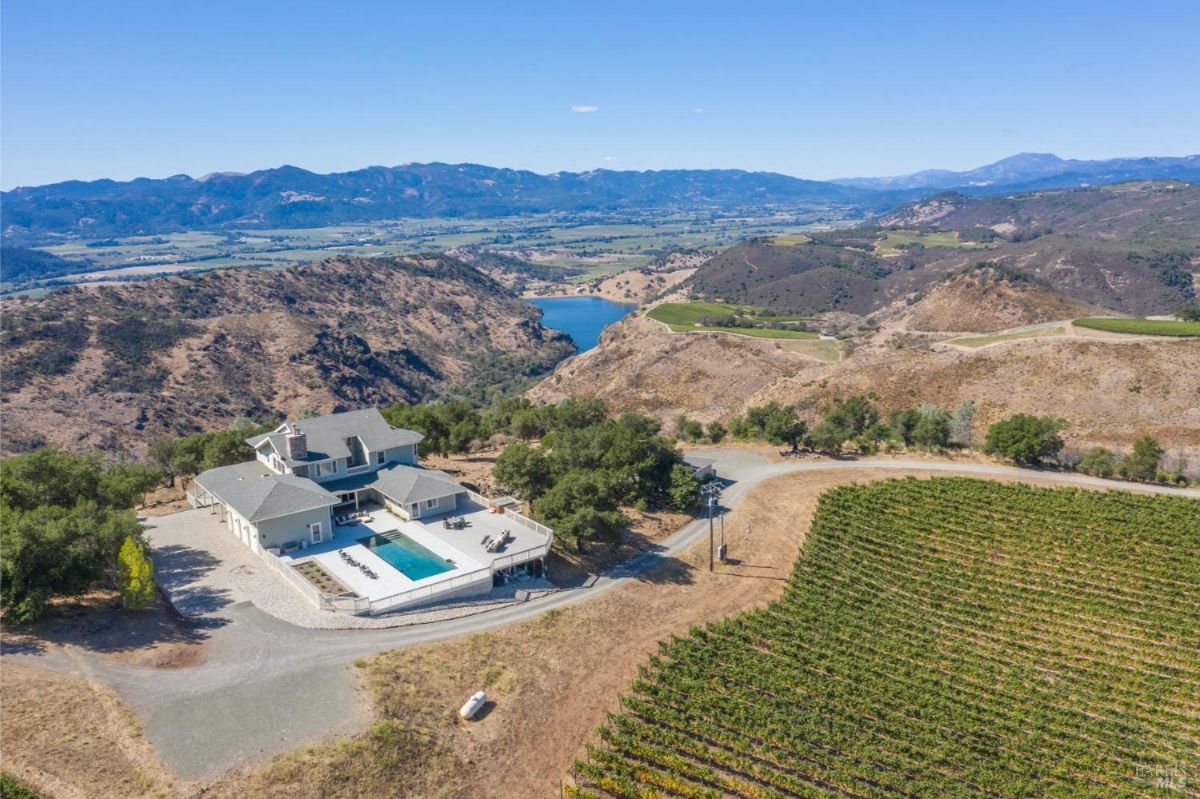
[473, 705]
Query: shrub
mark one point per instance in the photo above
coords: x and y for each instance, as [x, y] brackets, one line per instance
[684, 490]
[1025, 439]
[1098, 462]
[1142, 463]
[136, 580]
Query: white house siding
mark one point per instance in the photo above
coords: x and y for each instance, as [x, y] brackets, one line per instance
[293, 527]
[241, 528]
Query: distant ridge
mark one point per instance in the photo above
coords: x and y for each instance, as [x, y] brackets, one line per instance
[289, 196]
[1027, 171]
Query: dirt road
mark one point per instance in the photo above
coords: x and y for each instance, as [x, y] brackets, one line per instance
[264, 686]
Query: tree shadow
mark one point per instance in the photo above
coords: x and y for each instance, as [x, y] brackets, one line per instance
[656, 568]
[180, 570]
[98, 622]
[635, 556]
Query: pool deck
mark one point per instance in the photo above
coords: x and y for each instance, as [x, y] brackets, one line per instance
[463, 547]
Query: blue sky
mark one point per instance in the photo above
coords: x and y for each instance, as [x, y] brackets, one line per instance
[818, 90]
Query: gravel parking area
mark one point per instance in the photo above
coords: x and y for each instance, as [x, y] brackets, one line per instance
[202, 569]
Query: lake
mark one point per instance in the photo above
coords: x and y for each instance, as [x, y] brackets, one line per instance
[582, 318]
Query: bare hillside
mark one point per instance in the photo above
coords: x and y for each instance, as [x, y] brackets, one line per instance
[1134, 248]
[642, 366]
[988, 299]
[115, 366]
[1111, 390]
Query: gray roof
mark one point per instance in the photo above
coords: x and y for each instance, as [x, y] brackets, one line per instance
[257, 493]
[402, 484]
[698, 463]
[327, 435]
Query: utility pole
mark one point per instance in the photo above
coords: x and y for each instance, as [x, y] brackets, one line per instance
[711, 491]
[711, 533]
[721, 551]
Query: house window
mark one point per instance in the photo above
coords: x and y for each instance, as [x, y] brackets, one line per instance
[327, 467]
[314, 530]
[431, 503]
[380, 456]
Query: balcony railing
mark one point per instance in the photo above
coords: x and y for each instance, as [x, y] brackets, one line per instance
[519, 518]
[476, 578]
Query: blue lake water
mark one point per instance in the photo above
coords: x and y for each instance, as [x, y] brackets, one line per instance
[582, 318]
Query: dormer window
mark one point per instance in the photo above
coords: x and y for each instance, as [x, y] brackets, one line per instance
[358, 452]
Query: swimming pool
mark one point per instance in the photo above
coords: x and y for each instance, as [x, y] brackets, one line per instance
[407, 556]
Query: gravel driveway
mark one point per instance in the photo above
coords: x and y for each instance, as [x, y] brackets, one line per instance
[266, 685]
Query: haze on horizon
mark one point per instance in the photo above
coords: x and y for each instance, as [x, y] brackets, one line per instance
[147, 89]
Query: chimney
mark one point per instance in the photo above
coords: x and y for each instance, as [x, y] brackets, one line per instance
[297, 445]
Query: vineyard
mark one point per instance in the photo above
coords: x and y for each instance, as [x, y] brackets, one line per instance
[1144, 327]
[938, 638]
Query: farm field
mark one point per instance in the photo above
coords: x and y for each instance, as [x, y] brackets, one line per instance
[756, 332]
[894, 240]
[684, 317]
[996, 338]
[941, 638]
[587, 246]
[822, 350]
[1143, 327]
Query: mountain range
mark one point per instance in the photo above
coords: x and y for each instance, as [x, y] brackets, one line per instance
[1027, 171]
[292, 197]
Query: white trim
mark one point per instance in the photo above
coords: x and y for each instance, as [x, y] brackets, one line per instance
[316, 533]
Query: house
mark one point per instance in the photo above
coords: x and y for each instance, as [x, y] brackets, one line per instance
[342, 501]
[703, 469]
[308, 470]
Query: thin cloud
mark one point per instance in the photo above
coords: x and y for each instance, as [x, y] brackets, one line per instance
[608, 158]
[697, 110]
[585, 109]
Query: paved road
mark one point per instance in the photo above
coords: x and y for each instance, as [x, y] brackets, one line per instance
[267, 686]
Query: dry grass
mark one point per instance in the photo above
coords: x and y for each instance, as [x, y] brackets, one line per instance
[553, 678]
[68, 737]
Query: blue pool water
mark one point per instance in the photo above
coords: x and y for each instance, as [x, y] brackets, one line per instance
[582, 318]
[408, 557]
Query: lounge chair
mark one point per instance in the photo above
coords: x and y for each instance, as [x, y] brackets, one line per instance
[499, 541]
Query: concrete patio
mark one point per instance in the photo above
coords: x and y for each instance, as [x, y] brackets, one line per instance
[463, 549]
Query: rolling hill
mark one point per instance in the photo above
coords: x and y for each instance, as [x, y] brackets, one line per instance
[1131, 247]
[115, 366]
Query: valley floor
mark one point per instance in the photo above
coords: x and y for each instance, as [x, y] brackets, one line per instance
[552, 669]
